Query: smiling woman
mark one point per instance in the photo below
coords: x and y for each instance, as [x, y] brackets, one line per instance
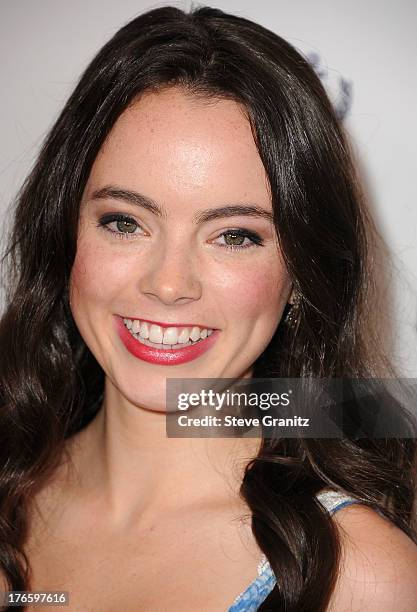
[194, 213]
[169, 261]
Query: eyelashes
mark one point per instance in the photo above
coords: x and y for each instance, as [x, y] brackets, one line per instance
[129, 224]
[124, 228]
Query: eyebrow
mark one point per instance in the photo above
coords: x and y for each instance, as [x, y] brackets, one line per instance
[203, 216]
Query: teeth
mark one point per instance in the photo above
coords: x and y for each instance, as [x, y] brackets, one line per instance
[155, 334]
[195, 333]
[166, 337]
[170, 336]
[163, 346]
[144, 330]
[183, 336]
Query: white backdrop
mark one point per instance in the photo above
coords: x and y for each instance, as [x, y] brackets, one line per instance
[45, 45]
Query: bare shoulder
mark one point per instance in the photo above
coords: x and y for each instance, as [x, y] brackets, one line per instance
[378, 570]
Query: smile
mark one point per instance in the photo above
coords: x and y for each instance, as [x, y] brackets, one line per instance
[164, 345]
[165, 337]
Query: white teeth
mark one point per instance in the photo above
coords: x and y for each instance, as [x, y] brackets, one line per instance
[170, 336]
[163, 346]
[156, 334]
[183, 336]
[195, 333]
[165, 337]
[144, 330]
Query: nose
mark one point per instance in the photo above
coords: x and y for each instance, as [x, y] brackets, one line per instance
[170, 276]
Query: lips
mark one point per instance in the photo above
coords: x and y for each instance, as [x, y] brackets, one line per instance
[160, 356]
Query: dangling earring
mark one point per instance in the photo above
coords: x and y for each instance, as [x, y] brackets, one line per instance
[291, 317]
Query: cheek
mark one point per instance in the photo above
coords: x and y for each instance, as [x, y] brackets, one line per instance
[95, 279]
[254, 292]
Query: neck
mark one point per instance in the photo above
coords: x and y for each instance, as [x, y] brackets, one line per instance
[125, 458]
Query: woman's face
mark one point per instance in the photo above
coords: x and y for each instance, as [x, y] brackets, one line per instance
[149, 252]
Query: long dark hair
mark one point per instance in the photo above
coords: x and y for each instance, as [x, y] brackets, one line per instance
[51, 384]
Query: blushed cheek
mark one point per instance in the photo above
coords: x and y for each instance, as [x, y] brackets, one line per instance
[255, 293]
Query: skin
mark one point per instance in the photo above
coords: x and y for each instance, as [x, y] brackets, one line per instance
[378, 564]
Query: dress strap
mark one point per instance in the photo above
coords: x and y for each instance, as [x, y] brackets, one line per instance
[335, 500]
[332, 501]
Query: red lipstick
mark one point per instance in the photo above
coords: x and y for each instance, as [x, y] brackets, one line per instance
[163, 356]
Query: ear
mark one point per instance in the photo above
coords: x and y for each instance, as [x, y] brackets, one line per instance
[294, 296]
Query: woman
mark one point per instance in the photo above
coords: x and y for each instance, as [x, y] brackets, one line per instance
[196, 184]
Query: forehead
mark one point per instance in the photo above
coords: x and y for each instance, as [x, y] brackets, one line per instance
[172, 143]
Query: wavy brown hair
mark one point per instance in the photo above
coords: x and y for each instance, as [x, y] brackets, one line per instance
[52, 386]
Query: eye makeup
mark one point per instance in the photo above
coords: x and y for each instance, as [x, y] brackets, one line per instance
[124, 227]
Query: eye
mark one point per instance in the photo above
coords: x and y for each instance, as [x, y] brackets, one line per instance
[235, 239]
[123, 225]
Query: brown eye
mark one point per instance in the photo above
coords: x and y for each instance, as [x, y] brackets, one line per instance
[235, 239]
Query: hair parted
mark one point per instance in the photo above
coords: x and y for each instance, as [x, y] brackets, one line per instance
[51, 385]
